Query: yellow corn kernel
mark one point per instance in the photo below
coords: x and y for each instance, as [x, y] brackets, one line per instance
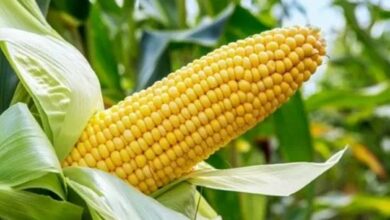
[81, 148]
[116, 158]
[103, 151]
[120, 172]
[75, 155]
[140, 175]
[140, 160]
[133, 180]
[82, 162]
[101, 165]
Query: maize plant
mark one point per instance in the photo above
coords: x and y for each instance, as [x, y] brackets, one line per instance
[63, 156]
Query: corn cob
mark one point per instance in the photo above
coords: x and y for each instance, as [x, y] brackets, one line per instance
[157, 135]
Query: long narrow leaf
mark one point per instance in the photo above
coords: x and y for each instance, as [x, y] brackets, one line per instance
[276, 179]
[293, 133]
[101, 53]
[367, 97]
[292, 130]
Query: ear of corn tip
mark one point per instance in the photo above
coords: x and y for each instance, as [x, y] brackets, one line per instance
[156, 135]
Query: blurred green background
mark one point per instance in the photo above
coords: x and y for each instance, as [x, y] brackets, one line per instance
[130, 44]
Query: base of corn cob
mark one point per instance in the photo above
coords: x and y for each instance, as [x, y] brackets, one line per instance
[156, 135]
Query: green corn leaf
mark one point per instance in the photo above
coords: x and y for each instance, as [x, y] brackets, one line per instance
[63, 86]
[293, 134]
[185, 199]
[292, 130]
[25, 152]
[111, 198]
[8, 79]
[275, 179]
[350, 98]
[25, 205]
[43, 6]
[51, 182]
[154, 44]
[8, 83]
[102, 55]
[166, 13]
[24, 15]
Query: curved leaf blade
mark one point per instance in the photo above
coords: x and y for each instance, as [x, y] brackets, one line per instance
[25, 152]
[63, 86]
[51, 182]
[26, 205]
[185, 199]
[111, 198]
[154, 44]
[275, 179]
[24, 15]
